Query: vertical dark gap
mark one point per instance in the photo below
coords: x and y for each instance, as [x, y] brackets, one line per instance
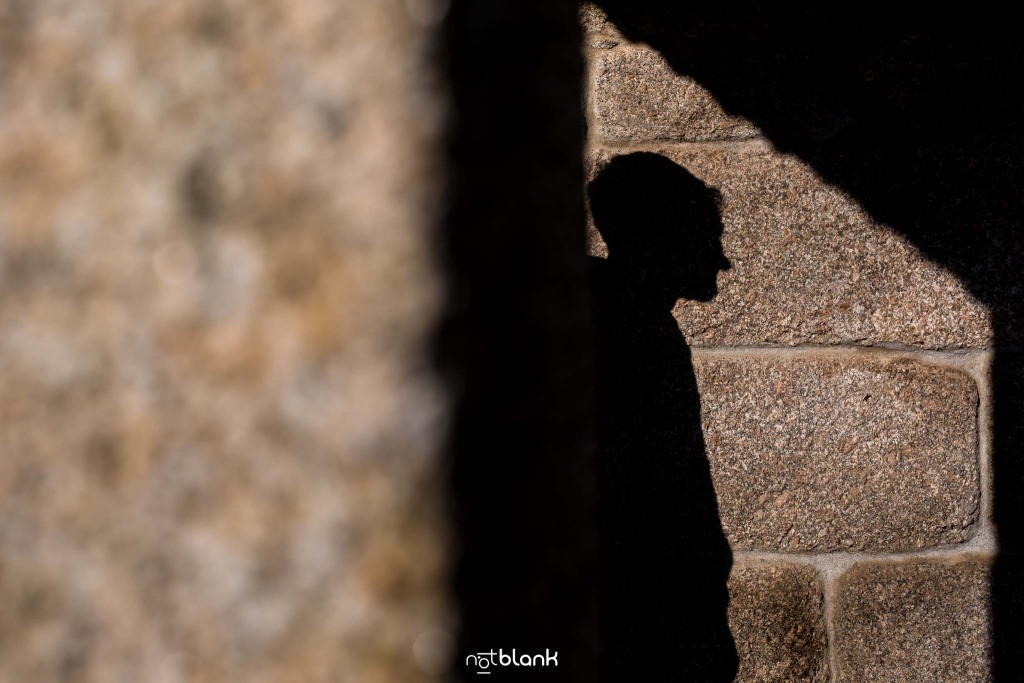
[514, 345]
[1008, 481]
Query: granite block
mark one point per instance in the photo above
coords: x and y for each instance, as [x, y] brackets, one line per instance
[776, 615]
[914, 621]
[840, 453]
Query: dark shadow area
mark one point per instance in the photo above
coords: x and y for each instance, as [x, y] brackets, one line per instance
[515, 347]
[917, 119]
[664, 560]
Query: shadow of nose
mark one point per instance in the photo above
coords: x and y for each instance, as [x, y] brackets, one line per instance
[725, 264]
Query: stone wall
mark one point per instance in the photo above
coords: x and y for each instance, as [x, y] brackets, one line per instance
[295, 382]
[845, 393]
[220, 426]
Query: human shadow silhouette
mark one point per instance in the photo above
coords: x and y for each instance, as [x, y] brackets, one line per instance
[663, 557]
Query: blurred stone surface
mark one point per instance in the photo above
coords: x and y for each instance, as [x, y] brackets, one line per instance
[840, 453]
[219, 431]
[918, 621]
[809, 266]
[637, 96]
[776, 615]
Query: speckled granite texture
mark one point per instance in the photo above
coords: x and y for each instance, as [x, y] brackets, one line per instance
[821, 454]
[776, 614]
[637, 96]
[914, 622]
[218, 433]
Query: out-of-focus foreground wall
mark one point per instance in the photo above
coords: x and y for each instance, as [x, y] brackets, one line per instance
[219, 429]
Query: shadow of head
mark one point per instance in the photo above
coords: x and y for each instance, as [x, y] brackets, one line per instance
[661, 225]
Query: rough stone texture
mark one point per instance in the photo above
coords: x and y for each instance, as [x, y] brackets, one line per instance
[809, 266]
[218, 434]
[777, 621]
[918, 621]
[637, 96]
[846, 453]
